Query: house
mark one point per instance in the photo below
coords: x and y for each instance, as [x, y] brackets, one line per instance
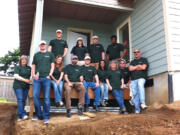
[150, 25]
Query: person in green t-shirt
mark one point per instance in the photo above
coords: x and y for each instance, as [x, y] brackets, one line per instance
[80, 51]
[96, 52]
[113, 51]
[58, 46]
[42, 70]
[89, 73]
[21, 83]
[138, 68]
[102, 71]
[73, 79]
[115, 82]
[57, 80]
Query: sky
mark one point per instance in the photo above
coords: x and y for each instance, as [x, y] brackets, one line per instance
[9, 28]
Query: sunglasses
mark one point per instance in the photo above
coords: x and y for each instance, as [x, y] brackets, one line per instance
[137, 52]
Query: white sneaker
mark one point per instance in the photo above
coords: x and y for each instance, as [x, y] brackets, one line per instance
[35, 119]
[137, 112]
[61, 103]
[19, 119]
[144, 106]
[46, 121]
[25, 117]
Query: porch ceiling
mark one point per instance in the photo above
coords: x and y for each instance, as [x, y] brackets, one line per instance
[67, 9]
[83, 12]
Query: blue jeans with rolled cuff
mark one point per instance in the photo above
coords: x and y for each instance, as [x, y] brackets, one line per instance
[118, 95]
[21, 95]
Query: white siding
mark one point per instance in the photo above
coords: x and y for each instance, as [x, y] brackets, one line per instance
[148, 35]
[172, 8]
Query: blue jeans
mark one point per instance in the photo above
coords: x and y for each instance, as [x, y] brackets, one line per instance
[97, 98]
[45, 83]
[21, 96]
[104, 91]
[118, 94]
[138, 93]
[58, 89]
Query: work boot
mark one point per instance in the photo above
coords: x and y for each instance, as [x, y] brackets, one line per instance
[123, 111]
[68, 113]
[86, 108]
[96, 108]
[80, 111]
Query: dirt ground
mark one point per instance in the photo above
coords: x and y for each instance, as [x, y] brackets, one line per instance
[158, 119]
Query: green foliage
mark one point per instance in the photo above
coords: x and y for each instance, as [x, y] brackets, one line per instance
[11, 58]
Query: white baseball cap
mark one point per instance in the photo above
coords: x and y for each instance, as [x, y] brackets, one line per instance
[59, 30]
[74, 57]
[42, 42]
[87, 57]
[95, 37]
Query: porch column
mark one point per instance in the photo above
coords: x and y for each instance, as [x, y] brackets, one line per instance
[37, 29]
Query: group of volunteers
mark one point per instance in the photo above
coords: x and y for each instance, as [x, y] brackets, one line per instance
[91, 67]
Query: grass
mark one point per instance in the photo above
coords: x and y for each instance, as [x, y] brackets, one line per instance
[3, 100]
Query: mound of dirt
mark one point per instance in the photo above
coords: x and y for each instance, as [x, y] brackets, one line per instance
[7, 118]
[158, 119]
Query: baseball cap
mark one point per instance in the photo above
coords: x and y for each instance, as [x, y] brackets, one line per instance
[58, 30]
[95, 37]
[42, 42]
[74, 57]
[87, 57]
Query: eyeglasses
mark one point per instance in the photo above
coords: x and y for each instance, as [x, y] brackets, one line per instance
[137, 52]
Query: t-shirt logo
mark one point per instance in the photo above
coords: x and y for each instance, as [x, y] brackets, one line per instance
[117, 72]
[46, 56]
[77, 70]
[89, 70]
[98, 46]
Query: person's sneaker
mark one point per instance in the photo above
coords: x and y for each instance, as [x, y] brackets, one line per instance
[35, 118]
[131, 102]
[46, 121]
[61, 103]
[80, 111]
[137, 112]
[143, 106]
[86, 108]
[25, 117]
[106, 102]
[96, 108]
[19, 119]
[68, 113]
[103, 103]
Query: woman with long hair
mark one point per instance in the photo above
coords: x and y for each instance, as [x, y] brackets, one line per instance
[57, 80]
[21, 84]
[80, 51]
[103, 85]
[115, 82]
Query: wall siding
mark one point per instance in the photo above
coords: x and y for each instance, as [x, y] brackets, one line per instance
[147, 30]
[173, 27]
[51, 24]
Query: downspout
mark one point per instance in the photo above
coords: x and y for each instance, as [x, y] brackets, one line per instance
[170, 88]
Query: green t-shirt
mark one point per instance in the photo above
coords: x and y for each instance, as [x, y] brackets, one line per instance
[74, 72]
[139, 73]
[79, 51]
[88, 73]
[57, 73]
[43, 61]
[102, 75]
[114, 51]
[126, 75]
[95, 52]
[24, 72]
[114, 77]
[58, 46]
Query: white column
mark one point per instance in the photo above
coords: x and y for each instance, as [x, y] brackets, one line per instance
[37, 29]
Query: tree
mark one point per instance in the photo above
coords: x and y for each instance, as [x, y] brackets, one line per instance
[11, 58]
